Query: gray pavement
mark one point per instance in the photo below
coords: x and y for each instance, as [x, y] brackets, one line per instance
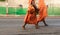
[13, 26]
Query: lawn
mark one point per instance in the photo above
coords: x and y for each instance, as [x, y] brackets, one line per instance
[22, 11]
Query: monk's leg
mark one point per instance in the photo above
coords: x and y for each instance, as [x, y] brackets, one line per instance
[44, 22]
[24, 26]
[36, 26]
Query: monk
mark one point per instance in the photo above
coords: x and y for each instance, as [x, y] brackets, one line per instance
[30, 17]
[42, 12]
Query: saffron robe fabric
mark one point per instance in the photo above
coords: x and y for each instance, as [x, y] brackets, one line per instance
[42, 10]
[30, 17]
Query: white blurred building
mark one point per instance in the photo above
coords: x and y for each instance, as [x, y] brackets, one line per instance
[15, 3]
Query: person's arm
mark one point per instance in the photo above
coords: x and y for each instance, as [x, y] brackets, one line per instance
[34, 5]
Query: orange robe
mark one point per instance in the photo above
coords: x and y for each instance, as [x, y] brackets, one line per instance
[42, 10]
[30, 17]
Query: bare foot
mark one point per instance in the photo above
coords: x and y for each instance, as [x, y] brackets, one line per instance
[37, 27]
[46, 24]
[23, 27]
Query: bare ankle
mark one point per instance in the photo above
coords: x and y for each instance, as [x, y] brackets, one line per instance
[23, 27]
[36, 26]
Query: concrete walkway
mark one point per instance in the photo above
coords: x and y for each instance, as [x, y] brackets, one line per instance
[14, 27]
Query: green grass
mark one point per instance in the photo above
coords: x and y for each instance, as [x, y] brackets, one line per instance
[23, 11]
[11, 10]
[2, 10]
[17, 11]
[54, 11]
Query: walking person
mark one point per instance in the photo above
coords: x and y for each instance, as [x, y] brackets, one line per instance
[42, 12]
[30, 17]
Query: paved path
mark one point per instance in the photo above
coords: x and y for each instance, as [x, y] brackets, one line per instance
[13, 27]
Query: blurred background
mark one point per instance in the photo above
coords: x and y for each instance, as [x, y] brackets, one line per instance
[19, 7]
